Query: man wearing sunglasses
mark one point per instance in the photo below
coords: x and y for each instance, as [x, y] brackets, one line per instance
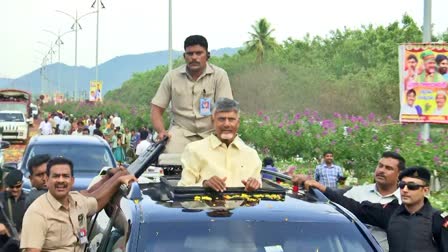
[13, 204]
[412, 226]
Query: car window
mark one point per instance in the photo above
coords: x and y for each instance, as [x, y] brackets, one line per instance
[11, 117]
[250, 236]
[86, 158]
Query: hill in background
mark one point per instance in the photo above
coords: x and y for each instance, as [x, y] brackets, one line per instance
[112, 72]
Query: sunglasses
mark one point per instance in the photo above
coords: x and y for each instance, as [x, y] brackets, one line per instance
[411, 185]
[15, 186]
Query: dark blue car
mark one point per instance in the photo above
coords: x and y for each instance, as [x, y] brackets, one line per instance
[163, 217]
[88, 153]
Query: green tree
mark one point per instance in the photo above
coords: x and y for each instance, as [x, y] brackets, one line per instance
[261, 39]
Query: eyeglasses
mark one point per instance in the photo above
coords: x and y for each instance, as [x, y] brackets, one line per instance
[411, 185]
[15, 186]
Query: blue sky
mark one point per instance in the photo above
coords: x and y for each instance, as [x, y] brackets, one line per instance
[139, 26]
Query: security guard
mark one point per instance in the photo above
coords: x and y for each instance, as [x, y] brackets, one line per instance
[57, 221]
[191, 89]
[13, 201]
[413, 226]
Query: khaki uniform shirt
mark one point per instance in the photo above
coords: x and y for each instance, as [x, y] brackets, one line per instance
[184, 93]
[210, 157]
[49, 226]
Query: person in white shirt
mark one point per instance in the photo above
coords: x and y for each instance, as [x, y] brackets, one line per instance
[57, 120]
[116, 121]
[383, 191]
[143, 145]
[92, 127]
[45, 127]
[67, 126]
[78, 131]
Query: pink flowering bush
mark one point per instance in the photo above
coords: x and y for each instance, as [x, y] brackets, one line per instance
[357, 142]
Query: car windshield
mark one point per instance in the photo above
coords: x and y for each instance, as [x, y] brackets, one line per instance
[253, 236]
[86, 158]
[11, 117]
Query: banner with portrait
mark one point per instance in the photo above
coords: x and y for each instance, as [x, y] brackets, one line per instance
[423, 82]
[95, 91]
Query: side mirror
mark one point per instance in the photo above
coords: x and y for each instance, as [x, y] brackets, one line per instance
[4, 145]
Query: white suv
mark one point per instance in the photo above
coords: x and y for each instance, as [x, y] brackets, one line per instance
[13, 125]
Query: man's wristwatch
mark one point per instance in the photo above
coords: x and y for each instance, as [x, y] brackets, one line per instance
[203, 183]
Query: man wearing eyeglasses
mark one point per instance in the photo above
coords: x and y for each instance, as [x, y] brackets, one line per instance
[412, 226]
[13, 203]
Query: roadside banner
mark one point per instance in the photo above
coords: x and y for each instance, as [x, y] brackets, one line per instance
[95, 91]
[423, 82]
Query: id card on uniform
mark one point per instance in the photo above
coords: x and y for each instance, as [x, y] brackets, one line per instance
[82, 235]
[205, 106]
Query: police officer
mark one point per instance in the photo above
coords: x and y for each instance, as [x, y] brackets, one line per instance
[413, 226]
[57, 221]
[191, 89]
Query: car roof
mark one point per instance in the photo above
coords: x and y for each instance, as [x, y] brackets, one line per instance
[163, 201]
[288, 210]
[11, 111]
[63, 139]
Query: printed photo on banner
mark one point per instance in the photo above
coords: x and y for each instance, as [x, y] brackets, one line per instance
[95, 91]
[423, 82]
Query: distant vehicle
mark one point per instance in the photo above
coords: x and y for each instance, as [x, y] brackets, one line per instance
[13, 125]
[34, 110]
[88, 153]
[15, 99]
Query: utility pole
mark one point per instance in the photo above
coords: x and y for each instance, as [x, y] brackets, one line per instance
[59, 42]
[75, 27]
[170, 35]
[426, 39]
[98, 2]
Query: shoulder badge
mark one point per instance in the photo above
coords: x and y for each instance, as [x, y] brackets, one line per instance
[444, 216]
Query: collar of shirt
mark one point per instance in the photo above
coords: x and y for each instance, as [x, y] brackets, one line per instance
[215, 142]
[324, 165]
[56, 205]
[395, 194]
[426, 210]
[208, 70]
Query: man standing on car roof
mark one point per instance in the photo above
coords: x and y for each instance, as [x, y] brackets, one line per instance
[189, 88]
[222, 159]
[57, 221]
[412, 226]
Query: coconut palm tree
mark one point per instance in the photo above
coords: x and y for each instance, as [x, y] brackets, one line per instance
[261, 40]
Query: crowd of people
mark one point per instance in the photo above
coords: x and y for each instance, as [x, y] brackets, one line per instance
[126, 144]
